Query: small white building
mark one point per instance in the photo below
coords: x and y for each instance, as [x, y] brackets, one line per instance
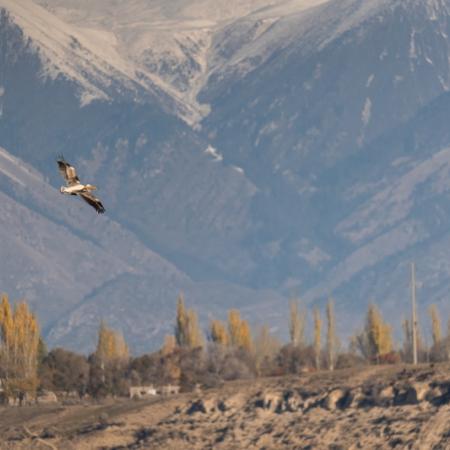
[142, 391]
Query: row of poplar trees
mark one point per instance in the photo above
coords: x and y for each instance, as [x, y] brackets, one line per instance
[188, 333]
[236, 333]
[374, 342]
[297, 321]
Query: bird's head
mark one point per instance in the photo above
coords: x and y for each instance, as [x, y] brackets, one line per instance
[62, 189]
[90, 187]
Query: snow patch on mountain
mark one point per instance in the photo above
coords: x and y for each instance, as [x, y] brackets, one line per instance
[249, 42]
[167, 42]
[64, 50]
[172, 44]
[412, 46]
[370, 80]
[92, 58]
[176, 48]
[366, 112]
[210, 150]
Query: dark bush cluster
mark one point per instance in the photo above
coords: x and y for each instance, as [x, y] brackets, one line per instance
[72, 375]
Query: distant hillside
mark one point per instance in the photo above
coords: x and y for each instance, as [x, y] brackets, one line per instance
[277, 149]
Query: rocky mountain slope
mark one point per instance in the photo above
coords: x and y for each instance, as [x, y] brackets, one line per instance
[50, 246]
[252, 151]
[338, 126]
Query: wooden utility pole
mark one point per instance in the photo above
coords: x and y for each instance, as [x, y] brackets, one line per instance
[414, 317]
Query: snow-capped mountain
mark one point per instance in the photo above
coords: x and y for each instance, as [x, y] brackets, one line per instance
[167, 48]
[254, 149]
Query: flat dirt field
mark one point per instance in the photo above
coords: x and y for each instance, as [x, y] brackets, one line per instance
[369, 408]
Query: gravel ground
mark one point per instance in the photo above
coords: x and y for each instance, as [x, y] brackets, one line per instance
[369, 408]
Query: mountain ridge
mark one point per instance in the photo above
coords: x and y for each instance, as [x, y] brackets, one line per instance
[318, 170]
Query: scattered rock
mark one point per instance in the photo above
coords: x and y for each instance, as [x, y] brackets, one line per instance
[346, 400]
[49, 433]
[271, 401]
[385, 396]
[358, 398]
[197, 406]
[416, 393]
[333, 398]
[291, 402]
[233, 402]
[309, 403]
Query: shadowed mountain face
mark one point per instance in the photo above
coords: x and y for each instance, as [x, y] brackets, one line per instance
[303, 150]
[343, 131]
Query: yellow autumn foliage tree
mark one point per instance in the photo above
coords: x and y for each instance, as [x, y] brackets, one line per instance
[331, 335]
[379, 332]
[111, 345]
[7, 333]
[187, 329]
[435, 325]
[376, 338]
[19, 341]
[194, 338]
[234, 324]
[246, 336]
[169, 345]
[218, 332]
[239, 331]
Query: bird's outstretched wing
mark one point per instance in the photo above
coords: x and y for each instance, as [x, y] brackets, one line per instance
[67, 171]
[93, 201]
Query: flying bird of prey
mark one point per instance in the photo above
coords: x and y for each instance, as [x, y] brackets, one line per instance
[74, 187]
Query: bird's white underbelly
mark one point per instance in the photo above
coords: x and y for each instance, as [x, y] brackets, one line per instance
[73, 189]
